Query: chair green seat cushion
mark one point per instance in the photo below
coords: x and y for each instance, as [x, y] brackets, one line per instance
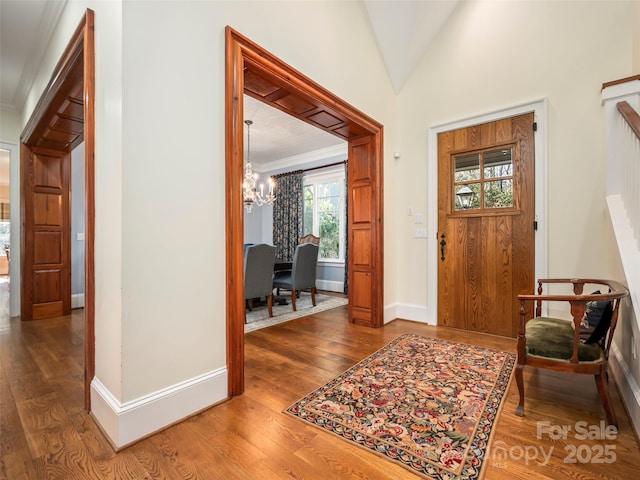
[553, 338]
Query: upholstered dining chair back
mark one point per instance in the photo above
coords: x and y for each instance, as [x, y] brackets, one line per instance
[302, 275]
[303, 270]
[258, 271]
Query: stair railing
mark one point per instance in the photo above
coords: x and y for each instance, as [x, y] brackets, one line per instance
[621, 100]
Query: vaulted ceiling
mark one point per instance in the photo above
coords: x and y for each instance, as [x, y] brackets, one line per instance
[403, 31]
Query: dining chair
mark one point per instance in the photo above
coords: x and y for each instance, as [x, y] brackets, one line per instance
[302, 275]
[258, 274]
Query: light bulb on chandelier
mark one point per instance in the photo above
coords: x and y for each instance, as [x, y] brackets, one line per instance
[251, 195]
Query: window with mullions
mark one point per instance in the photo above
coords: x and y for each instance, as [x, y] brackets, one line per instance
[324, 213]
[483, 180]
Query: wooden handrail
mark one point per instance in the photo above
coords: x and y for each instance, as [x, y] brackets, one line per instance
[620, 81]
[631, 116]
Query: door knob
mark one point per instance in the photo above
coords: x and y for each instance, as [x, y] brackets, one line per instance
[443, 243]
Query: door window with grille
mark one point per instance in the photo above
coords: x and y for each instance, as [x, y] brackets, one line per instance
[483, 180]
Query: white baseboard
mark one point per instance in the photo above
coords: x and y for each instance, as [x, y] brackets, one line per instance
[629, 389]
[77, 300]
[125, 423]
[330, 285]
[406, 311]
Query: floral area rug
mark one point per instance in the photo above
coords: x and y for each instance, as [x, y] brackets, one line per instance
[426, 403]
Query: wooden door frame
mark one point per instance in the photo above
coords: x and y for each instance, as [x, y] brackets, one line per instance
[539, 109]
[239, 50]
[80, 52]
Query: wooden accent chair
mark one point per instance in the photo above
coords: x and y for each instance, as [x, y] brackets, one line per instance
[580, 345]
[302, 275]
[309, 238]
[258, 274]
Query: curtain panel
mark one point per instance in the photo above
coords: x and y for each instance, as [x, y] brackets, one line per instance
[287, 214]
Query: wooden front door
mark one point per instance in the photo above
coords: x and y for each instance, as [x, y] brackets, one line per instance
[46, 258]
[486, 237]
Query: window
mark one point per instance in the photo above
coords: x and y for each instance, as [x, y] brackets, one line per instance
[4, 212]
[5, 228]
[324, 212]
[483, 180]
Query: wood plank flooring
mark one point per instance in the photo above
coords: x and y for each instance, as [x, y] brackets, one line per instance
[45, 434]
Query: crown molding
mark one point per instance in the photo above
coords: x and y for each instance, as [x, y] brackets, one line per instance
[303, 158]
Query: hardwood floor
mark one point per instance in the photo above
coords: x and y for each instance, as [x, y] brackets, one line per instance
[45, 434]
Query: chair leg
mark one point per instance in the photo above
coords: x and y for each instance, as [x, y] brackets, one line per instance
[313, 296]
[293, 300]
[270, 304]
[603, 391]
[520, 382]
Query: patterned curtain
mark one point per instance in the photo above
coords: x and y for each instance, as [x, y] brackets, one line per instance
[346, 230]
[287, 214]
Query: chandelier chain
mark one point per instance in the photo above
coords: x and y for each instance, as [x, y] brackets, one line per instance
[250, 191]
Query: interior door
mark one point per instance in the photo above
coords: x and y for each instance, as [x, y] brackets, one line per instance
[486, 224]
[46, 255]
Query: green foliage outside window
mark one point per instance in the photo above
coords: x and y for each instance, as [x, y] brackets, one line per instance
[329, 236]
[498, 194]
[328, 203]
[4, 236]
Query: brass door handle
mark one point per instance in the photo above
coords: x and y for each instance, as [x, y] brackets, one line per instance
[443, 243]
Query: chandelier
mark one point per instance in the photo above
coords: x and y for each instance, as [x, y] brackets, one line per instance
[251, 195]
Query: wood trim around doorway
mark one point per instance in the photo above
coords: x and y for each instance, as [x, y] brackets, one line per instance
[252, 70]
[75, 72]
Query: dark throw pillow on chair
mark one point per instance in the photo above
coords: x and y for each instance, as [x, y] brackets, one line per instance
[597, 319]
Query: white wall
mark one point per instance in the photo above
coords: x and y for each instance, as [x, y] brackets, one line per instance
[493, 55]
[108, 163]
[636, 38]
[182, 52]
[10, 129]
[160, 130]
[77, 226]
[253, 229]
